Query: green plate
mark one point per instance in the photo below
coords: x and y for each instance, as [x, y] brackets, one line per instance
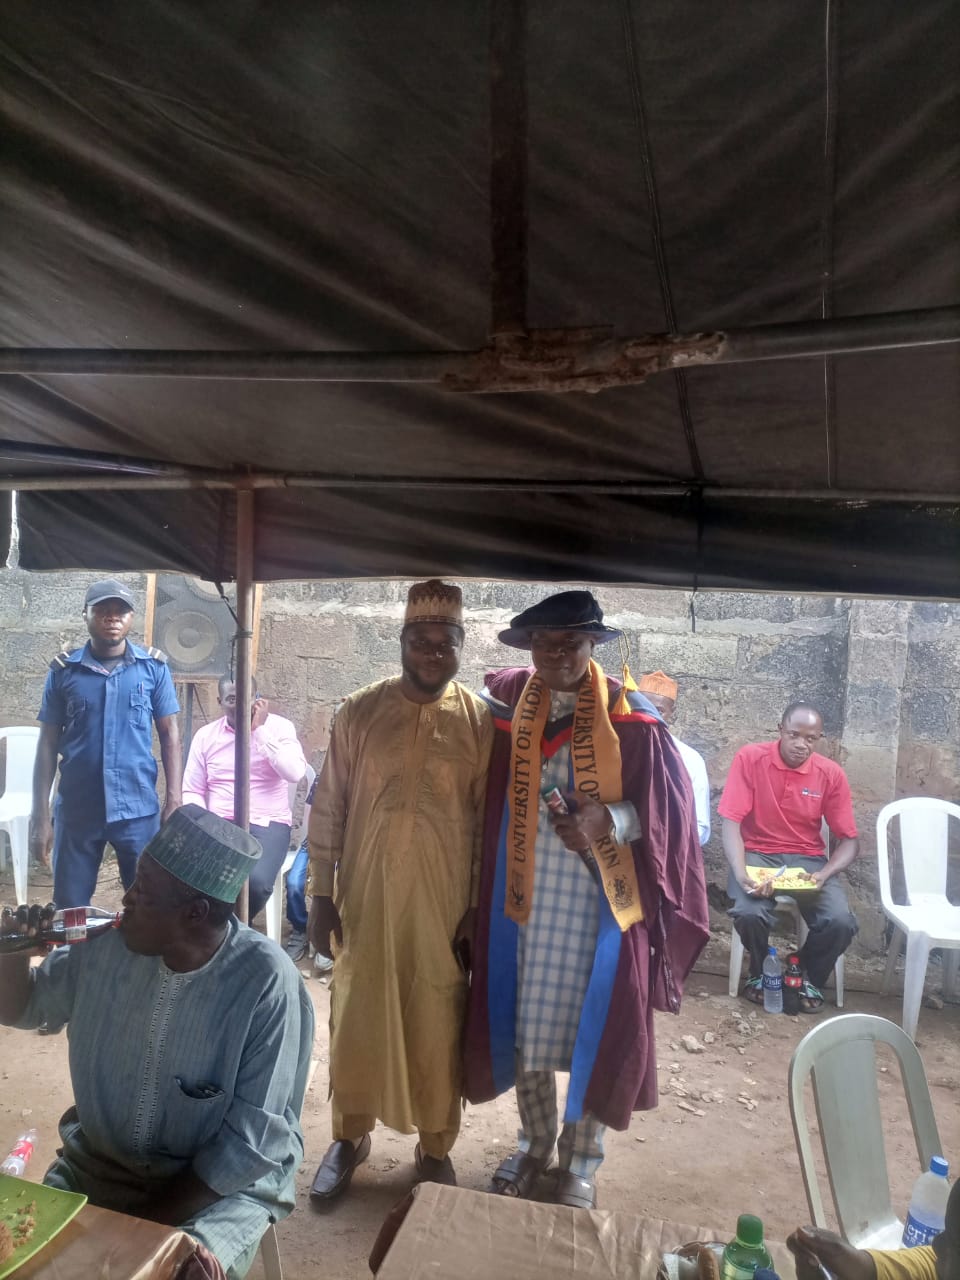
[54, 1210]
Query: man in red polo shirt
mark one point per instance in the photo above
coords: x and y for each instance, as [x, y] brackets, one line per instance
[776, 797]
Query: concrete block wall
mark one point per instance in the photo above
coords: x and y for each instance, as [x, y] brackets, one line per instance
[885, 674]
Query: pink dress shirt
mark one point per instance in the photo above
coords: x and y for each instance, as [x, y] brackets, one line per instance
[276, 760]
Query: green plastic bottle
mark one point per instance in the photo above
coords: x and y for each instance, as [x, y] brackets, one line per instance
[745, 1253]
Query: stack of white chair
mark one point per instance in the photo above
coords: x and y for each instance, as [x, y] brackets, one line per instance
[17, 801]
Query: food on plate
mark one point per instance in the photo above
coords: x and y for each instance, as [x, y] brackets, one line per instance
[788, 881]
[16, 1228]
[6, 1243]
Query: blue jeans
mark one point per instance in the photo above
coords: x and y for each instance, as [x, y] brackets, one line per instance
[297, 890]
[78, 845]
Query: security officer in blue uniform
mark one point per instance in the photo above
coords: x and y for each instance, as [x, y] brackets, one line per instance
[99, 706]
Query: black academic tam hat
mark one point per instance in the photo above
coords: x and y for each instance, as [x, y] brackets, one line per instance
[566, 611]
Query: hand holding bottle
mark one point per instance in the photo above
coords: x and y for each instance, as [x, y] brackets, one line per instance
[21, 928]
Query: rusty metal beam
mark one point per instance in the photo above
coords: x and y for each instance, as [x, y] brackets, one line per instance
[536, 360]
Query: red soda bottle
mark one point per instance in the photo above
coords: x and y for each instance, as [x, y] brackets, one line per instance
[792, 984]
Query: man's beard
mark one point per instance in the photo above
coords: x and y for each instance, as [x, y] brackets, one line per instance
[421, 685]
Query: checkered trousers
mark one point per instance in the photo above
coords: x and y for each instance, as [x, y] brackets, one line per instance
[556, 946]
[580, 1145]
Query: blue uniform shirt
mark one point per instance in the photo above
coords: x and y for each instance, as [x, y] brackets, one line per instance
[106, 730]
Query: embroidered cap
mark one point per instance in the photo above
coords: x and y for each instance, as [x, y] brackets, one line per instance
[108, 589]
[208, 853]
[659, 682]
[434, 601]
[566, 611]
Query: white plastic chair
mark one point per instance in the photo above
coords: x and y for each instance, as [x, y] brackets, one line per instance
[270, 1254]
[840, 1056]
[17, 801]
[273, 909]
[928, 918]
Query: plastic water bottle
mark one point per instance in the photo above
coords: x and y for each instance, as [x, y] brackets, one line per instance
[772, 983]
[16, 1161]
[744, 1254]
[928, 1205]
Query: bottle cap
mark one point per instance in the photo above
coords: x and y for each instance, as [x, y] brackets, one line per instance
[939, 1166]
[765, 1273]
[771, 951]
[749, 1229]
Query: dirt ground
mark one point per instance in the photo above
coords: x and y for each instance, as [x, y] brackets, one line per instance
[721, 1142]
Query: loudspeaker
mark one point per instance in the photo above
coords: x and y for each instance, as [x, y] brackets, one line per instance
[187, 618]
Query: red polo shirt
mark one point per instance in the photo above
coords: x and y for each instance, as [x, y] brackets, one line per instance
[780, 809]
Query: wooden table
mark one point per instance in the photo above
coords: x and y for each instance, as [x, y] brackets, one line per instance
[101, 1245]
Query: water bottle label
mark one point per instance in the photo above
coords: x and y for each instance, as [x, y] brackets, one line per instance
[732, 1272]
[915, 1233]
[773, 982]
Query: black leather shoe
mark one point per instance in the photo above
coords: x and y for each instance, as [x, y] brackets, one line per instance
[336, 1168]
[432, 1169]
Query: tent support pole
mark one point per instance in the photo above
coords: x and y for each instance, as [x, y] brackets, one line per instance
[87, 483]
[508, 166]
[242, 674]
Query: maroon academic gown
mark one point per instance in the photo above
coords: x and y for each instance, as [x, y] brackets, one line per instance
[613, 1071]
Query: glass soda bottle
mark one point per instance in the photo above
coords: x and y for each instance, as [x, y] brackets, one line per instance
[73, 924]
[746, 1252]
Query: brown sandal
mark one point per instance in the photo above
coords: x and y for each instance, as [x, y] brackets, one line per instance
[517, 1176]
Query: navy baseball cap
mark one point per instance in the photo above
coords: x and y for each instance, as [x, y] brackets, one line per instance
[108, 589]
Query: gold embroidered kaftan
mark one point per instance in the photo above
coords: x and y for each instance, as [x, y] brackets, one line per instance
[398, 810]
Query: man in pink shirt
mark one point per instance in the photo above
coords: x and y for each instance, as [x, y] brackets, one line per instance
[276, 760]
[777, 796]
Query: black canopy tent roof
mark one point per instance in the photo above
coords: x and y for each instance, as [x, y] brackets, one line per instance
[237, 177]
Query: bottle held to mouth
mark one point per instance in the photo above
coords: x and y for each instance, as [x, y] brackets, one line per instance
[54, 928]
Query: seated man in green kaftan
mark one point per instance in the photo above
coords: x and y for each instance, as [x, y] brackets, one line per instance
[190, 1041]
